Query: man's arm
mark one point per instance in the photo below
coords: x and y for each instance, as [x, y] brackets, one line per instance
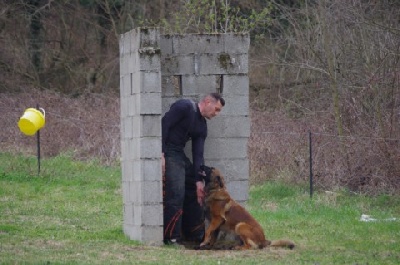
[198, 156]
[198, 160]
[175, 114]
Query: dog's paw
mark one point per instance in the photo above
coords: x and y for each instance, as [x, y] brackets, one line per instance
[204, 247]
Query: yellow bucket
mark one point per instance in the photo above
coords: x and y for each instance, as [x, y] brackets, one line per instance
[31, 121]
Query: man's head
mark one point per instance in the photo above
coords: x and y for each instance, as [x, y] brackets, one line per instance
[211, 105]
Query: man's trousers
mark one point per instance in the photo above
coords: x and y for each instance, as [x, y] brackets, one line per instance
[183, 216]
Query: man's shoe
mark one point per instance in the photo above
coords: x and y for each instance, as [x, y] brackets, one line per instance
[173, 242]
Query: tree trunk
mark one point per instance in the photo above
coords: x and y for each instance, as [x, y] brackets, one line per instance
[35, 27]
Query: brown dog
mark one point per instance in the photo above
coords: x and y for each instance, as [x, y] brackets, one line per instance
[226, 213]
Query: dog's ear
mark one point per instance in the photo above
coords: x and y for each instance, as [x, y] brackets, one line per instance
[219, 181]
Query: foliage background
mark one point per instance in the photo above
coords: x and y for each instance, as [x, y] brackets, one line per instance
[329, 67]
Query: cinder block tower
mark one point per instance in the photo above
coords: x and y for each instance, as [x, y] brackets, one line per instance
[156, 70]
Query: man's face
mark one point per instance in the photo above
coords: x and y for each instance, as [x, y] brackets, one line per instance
[212, 108]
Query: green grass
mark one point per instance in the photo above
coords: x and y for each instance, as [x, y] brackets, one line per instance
[72, 214]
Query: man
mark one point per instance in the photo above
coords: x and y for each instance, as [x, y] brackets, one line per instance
[183, 191]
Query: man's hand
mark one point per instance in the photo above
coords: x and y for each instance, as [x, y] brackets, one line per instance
[200, 192]
[163, 164]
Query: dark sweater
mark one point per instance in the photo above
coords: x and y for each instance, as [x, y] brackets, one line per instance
[182, 123]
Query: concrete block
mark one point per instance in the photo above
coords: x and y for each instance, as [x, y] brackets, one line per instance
[125, 44]
[239, 190]
[178, 65]
[198, 84]
[137, 170]
[136, 127]
[152, 234]
[128, 171]
[149, 37]
[123, 65]
[134, 83]
[138, 214]
[122, 91]
[151, 169]
[150, 147]
[124, 147]
[136, 192]
[236, 105]
[124, 82]
[128, 213]
[236, 42]
[229, 126]
[231, 169]
[229, 148]
[133, 62]
[149, 62]
[150, 82]
[134, 39]
[238, 169]
[149, 103]
[152, 215]
[124, 150]
[122, 46]
[170, 85]
[131, 102]
[166, 45]
[150, 125]
[125, 192]
[151, 192]
[198, 43]
[145, 192]
[132, 50]
[131, 170]
[223, 63]
[236, 84]
[133, 232]
[133, 151]
[127, 127]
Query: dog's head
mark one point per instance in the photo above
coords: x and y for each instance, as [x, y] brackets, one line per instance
[213, 178]
[207, 173]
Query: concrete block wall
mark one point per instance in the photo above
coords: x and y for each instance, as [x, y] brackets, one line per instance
[140, 92]
[195, 65]
[156, 70]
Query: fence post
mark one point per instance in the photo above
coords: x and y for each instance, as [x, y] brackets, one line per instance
[311, 169]
[38, 144]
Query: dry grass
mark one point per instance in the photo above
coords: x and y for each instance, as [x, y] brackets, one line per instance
[87, 126]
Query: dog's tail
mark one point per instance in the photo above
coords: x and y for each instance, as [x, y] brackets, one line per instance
[282, 243]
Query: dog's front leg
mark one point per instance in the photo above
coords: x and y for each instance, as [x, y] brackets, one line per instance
[214, 236]
[215, 223]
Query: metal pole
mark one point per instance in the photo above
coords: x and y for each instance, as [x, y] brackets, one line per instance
[311, 170]
[38, 144]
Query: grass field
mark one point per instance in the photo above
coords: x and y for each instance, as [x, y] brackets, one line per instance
[72, 214]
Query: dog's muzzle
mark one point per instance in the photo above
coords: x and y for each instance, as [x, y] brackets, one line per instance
[207, 170]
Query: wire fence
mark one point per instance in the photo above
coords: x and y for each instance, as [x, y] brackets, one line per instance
[362, 164]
